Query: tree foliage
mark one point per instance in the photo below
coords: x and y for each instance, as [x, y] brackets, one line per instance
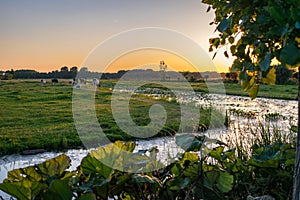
[257, 33]
[218, 173]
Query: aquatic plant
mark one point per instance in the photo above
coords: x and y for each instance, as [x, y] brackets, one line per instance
[201, 172]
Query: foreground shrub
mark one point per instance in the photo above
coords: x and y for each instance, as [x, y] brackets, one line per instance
[200, 173]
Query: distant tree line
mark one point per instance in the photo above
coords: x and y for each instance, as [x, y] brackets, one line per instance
[64, 73]
[283, 75]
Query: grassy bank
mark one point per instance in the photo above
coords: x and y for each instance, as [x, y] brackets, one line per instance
[288, 92]
[34, 117]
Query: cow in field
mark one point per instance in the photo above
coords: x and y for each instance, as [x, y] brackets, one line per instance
[43, 82]
[96, 82]
[54, 80]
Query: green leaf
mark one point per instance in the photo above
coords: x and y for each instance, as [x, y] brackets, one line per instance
[24, 189]
[116, 155]
[266, 157]
[290, 162]
[231, 40]
[217, 153]
[295, 2]
[146, 179]
[192, 171]
[295, 13]
[265, 64]
[207, 167]
[189, 142]
[223, 25]
[252, 91]
[23, 182]
[245, 84]
[127, 146]
[272, 163]
[179, 183]
[59, 190]
[188, 158]
[294, 129]
[16, 190]
[28, 173]
[278, 14]
[36, 188]
[87, 197]
[176, 169]
[290, 55]
[229, 154]
[271, 77]
[55, 166]
[90, 164]
[232, 50]
[69, 175]
[214, 41]
[225, 182]
[211, 177]
[241, 50]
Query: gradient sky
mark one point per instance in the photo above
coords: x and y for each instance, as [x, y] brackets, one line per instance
[46, 35]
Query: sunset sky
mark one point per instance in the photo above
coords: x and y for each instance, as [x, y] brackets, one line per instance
[46, 35]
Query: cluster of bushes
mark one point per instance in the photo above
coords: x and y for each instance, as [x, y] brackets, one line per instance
[199, 173]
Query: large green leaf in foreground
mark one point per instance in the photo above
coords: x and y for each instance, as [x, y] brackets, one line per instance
[29, 182]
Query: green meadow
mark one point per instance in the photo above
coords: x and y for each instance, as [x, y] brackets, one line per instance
[35, 117]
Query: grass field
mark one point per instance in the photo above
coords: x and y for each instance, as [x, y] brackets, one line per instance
[34, 117]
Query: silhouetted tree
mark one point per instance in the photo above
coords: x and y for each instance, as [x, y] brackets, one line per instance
[64, 69]
[74, 71]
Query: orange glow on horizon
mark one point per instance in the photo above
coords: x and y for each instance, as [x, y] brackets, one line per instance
[149, 58]
[136, 59]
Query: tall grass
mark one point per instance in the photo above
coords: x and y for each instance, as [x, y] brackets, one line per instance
[255, 134]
